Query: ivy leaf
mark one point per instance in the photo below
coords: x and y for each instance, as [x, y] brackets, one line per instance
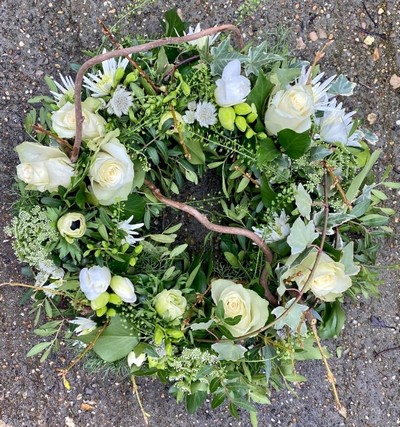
[223, 54]
[303, 201]
[260, 93]
[266, 152]
[229, 351]
[342, 86]
[295, 144]
[301, 235]
[294, 318]
[281, 77]
[259, 56]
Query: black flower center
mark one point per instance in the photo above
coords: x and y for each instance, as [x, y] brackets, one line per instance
[75, 225]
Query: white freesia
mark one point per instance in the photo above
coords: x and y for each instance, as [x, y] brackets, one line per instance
[111, 173]
[129, 230]
[290, 109]
[136, 360]
[101, 83]
[232, 88]
[94, 281]
[329, 280]
[85, 326]
[43, 168]
[202, 42]
[239, 301]
[335, 126]
[124, 288]
[64, 123]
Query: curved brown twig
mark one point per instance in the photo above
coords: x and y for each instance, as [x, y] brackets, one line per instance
[128, 51]
[220, 229]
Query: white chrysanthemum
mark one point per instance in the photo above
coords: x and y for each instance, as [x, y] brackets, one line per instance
[100, 84]
[278, 230]
[335, 126]
[66, 89]
[189, 117]
[319, 90]
[120, 102]
[206, 114]
[85, 326]
[129, 230]
[202, 42]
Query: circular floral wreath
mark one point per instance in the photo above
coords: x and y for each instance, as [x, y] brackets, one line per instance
[298, 213]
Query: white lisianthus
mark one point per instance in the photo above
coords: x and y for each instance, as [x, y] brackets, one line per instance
[290, 109]
[202, 42]
[170, 304]
[94, 281]
[43, 168]
[335, 126]
[124, 288]
[111, 173]
[71, 226]
[329, 280]
[239, 301]
[232, 88]
[136, 360]
[93, 126]
[85, 326]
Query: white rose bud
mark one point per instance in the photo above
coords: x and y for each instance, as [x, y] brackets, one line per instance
[71, 226]
[232, 88]
[64, 122]
[239, 301]
[290, 109]
[124, 288]
[170, 305]
[94, 281]
[329, 280]
[43, 168]
[111, 174]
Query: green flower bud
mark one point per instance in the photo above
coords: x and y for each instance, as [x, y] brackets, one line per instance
[111, 312]
[252, 117]
[185, 88]
[71, 226]
[158, 335]
[101, 301]
[138, 249]
[250, 133]
[101, 311]
[131, 77]
[118, 76]
[262, 135]
[132, 261]
[115, 299]
[226, 116]
[242, 109]
[175, 333]
[241, 123]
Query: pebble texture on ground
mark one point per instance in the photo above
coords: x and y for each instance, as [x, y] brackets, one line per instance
[42, 37]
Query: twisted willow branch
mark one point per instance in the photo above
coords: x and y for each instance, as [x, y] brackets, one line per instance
[219, 229]
[79, 119]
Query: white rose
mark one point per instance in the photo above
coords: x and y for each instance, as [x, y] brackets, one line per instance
[43, 168]
[123, 287]
[111, 174]
[329, 280]
[170, 305]
[290, 109]
[64, 122]
[239, 301]
[71, 226]
[94, 281]
[232, 88]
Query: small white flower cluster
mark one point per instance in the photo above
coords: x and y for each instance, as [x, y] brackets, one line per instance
[203, 112]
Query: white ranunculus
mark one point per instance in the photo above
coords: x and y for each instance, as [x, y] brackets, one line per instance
[290, 109]
[239, 301]
[64, 122]
[71, 226]
[232, 88]
[111, 173]
[43, 168]
[329, 280]
[124, 288]
[94, 281]
[170, 304]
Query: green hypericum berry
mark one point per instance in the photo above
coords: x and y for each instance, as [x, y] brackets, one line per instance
[262, 135]
[242, 109]
[250, 133]
[226, 116]
[241, 123]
